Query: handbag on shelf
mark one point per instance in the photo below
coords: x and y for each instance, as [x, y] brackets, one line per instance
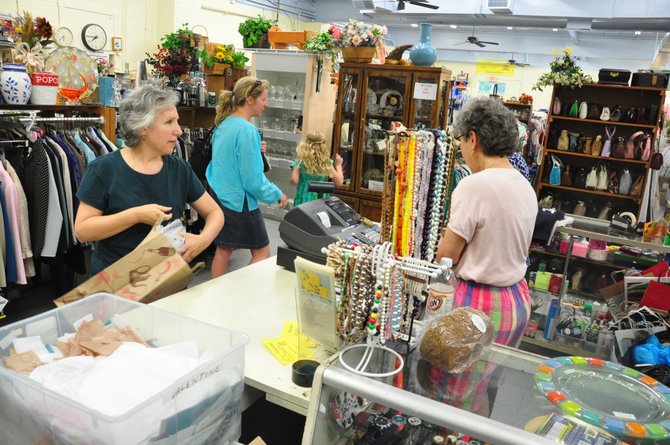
[563, 141]
[613, 183]
[579, 180]
[580, 209]
[646, 151]
[573, 139]
[555, 174]
[631, 145]
[619, 149]
[603, 177]
[592, 178]
[597, 146]
[625, 181]
[566, 176]
[636, 188]
[607, 146]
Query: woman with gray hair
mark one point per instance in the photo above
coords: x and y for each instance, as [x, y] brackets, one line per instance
[490, 227]
[123, 193]
[491, 220]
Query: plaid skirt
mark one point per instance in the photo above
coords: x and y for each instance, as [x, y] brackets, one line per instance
[509, 309]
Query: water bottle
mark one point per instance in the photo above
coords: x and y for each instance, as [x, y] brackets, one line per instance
[441, 294]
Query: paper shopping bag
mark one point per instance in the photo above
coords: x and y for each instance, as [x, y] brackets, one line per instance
[657, 295]
[153, 270]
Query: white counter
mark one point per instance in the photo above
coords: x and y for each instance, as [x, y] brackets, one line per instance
[256, 300]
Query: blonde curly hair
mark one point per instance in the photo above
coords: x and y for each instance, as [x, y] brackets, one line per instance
[313, 153]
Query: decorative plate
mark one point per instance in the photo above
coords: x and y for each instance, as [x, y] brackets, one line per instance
[69, 63]
[387, 95]
[620, 400]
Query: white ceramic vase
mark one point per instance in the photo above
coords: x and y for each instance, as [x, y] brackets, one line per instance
[15, 84]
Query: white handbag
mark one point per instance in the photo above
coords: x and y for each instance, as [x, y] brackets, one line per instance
[592, 178]
[603, 177]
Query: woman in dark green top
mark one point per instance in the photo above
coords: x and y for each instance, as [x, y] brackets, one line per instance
[123, 193]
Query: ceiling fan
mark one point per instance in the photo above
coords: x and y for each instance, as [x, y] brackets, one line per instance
[423, 3]
[514, 62]
[475, 41]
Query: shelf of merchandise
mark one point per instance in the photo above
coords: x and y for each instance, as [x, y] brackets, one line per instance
[602, 95]
[597, 121]
[539, 341]
[576, 258]
[286, 104]
[615, 239]
[584, 155]
[589, 191]
[288, 136]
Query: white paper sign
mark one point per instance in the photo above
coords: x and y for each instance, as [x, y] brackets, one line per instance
[375, 185]
[427, 91]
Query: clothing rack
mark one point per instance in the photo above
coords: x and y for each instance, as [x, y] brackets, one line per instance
[98, 119]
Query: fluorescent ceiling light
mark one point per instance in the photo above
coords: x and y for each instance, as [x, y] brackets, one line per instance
[453, 26]
[415, 25]
[367, 11]
[637, 33]
[555, 29]
[510, 27]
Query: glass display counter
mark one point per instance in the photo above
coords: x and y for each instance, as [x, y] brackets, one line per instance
[347, 408]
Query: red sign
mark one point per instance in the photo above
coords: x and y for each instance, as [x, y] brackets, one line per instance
[44, 79]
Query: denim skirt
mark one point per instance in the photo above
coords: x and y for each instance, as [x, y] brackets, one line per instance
[242, 230]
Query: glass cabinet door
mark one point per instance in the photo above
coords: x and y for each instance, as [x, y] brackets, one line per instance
[425, 101]
[345, 138]
[384, 102]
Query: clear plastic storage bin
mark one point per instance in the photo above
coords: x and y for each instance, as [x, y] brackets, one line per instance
[203, 407]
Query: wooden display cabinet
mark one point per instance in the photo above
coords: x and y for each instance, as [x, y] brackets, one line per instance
[370, 99]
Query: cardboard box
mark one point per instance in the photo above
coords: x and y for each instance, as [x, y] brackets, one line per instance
[203, 406]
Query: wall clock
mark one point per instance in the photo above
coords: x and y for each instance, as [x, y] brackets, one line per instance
[63, 36]
[94, 37]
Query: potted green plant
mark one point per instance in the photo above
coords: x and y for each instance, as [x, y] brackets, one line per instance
[179, 39]
[254, 32]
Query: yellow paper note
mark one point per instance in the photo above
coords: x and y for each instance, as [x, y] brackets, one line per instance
[285, 348]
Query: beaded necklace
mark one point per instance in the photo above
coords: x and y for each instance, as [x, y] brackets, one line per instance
[389, 188]
[408, 200]
[400, 186]
[423, 190]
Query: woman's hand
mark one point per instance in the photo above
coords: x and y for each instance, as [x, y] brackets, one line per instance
[149, 213]
[283, 201]
[264, 146]
[338, 160]
[193, 245]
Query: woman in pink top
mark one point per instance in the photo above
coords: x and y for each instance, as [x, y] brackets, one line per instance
[489, 231]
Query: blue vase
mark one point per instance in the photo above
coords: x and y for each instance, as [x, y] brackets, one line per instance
[106, 91]
[423, 53]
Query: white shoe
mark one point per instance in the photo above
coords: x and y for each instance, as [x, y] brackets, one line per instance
[605, 115]
[583, 110]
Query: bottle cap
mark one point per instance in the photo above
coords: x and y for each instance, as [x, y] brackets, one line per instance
[448, 262]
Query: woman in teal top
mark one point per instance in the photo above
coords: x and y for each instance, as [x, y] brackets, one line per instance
[124, 192]
[314, 164]
[236, 173]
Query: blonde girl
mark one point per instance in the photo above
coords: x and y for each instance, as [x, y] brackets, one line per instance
[314, 164]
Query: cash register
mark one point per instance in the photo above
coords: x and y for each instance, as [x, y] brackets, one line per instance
[309, 227]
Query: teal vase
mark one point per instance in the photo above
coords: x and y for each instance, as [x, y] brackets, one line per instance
[106, 90]
[423, 53]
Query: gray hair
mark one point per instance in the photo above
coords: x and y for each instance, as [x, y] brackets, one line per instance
[139, 110]
[494, 124]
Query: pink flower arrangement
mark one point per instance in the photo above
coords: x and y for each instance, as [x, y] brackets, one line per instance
[357, 33]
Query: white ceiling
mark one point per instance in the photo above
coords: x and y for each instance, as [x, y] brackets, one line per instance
[601, 32]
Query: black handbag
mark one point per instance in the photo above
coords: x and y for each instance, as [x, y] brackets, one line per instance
[580, 178]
